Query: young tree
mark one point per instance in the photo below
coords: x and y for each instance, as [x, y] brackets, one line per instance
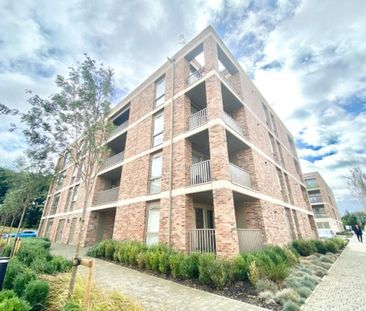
[356, 182]
[73, 122]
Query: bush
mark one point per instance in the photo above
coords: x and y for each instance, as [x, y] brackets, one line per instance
[205, 264]
[240, 268]
[7, 250]
[264, 285]
[320, 246]
[288, 294]
[308, 282]
[15, 267]
[21, 281]
[109, 249]
[36, 294]
[61, 264]
[7, 294]
[141, 260]
[339, 242]
[290, 306]
[164, 263]
[253, 273]
[304, 248]
[222, 273]
[304, 291]
[32, 249]
[276, 272]
[189, 267]
[14, 304]
[331, 246]
[152, 260]
[175, 262]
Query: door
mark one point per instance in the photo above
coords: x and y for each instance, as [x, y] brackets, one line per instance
[70, 240]
[153, 223]
[204, 218]
[203, 237]
[60, 229]
[100, 229]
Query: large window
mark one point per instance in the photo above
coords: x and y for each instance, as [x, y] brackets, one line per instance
[155, 173]
[54, 204]
[153, 221]
[160, 91]
[311, 183]
[158, 130]
[74, 197]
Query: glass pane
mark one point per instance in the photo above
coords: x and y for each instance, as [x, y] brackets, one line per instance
[153, 220]
[155, 186]
[152, 239]
[158, 139]
[156, 167]
[210, 219]
[158, 124]
[160, 88]
[199, 218]
[160, 101]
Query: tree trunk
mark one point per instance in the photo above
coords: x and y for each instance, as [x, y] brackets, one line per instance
[11, 226]
[3, 228]
[78, 242]
[19, 226]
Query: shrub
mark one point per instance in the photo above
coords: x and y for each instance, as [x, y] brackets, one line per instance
[320, 246]
[134, 248]
[7, 250]
[320, 272]
[61, 264]
[266, 285]
[141, 260]
[42, 265]
[331, 246]
[290, 306]
[189, 267]
[71, 306]
[267, 295]
[253, 273]
[304, 291]
[164, 262]
[7, 294]
[276, 272]
[288, 294]
[293, 282]
[308, 281]
[240, 268]
[304, 248]
[222, 273]
[326, 259]
[175, 262]
[339, 242]
[14, 304]
[152, 260]
[291, 255]
[15, 267]
[205, 264]
[32, 249]
[36, 294]
[109, 249]
[21, 281]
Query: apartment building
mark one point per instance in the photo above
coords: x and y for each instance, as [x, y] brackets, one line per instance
[198, 160]
[323, 203]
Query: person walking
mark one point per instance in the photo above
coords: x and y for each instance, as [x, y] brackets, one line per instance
[358, 232]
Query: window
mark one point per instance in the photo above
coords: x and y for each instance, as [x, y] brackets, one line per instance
[68, 199]
[289, 188]
[274, 128]
[74, 197]
[292, 143]
[274, 150]
[54, 204]
[266, 113]
[158, 130]
[153, 223]
[282, 184]
[297, 167]
[48, 228]
[311, 183]
[60, 180]
[160, 91]
[155, 173]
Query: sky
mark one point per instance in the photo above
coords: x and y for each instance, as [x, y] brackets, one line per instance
[308, 58]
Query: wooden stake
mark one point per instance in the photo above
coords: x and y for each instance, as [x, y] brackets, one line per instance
[89, 263]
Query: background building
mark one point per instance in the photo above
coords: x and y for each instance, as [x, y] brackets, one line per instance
[198, 160]
[323, 203]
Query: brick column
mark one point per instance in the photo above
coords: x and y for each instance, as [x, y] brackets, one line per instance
[210, 54]
[227, 244]
[215, 105]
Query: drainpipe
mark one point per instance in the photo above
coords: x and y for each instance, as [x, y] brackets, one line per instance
[172, 61]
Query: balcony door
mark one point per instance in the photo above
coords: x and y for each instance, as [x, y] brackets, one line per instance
[204, 218]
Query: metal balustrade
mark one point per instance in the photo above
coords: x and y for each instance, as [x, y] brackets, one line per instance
[113, 160]
[239, 176]
[233, 124]
[195, 76]
[107, 196]
[250, 240]
[201, 172]
[320, 215]
[119, 128]
[202, 240]
[315, 198]
[197, 119]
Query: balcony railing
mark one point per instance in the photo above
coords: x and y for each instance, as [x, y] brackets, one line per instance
[107, 196]
[119, 128]
[239, 176]
[250, 240]
[195, 76]
[201, 172]
[197, 119]
[113, 160]
[320, 215]
[202, 240]
[233, 124]
[312, 185]
[317, 198]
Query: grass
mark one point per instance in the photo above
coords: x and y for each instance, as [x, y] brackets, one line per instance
[14, 230]
[99, 299]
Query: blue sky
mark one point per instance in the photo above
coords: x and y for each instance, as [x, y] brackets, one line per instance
[308, 58]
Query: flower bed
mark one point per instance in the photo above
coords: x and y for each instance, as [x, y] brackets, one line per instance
[246, 276]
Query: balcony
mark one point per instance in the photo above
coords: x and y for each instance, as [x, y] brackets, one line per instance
[113, 160]
[250, 240]
[197, 119]
[233, 124]
[119, 128]
[202, 240]
[195, 76]
[320, 215]
[239, 176]
[107, 196]
[201, 172]
[317, 198]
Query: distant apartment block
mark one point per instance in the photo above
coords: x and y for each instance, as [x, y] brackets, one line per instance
[323, 203]
[198, 160]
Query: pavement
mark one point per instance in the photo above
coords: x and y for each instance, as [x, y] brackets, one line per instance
[344, 287]
[151, 292]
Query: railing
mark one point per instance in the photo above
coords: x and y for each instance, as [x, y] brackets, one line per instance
[202, 240]
[320, 215]
[250, 240]
[113, 160]
[197, 119]
[119, 128]
[201, 172]
[195, 76]
[317, 198]
[107, 196]
[233, 124]
[312, 186]
[239, 176]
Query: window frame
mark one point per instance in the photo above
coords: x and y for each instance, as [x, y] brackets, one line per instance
[161, 97]
[160, 133]
[152, 178]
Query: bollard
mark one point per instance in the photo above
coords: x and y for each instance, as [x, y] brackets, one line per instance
[3, 265]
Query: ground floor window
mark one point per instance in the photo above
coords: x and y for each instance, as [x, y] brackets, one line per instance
[204, 218]
[153, 224]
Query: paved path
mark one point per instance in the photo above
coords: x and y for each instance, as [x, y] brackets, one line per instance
[154, 293]
[344, 288]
